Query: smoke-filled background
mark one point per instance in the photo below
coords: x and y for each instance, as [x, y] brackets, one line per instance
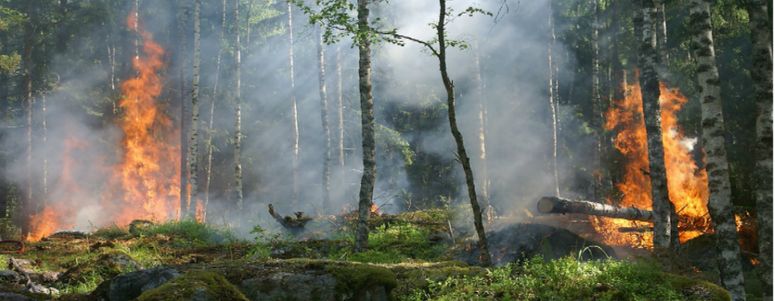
[79, 67]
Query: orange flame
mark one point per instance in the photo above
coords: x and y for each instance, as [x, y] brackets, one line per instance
[57, 215]
[149, 174]
[687, 184]
[374, 209]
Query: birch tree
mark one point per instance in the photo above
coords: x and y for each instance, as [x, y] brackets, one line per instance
[649, 82]
[761, 73]
[210, 131]
[295, 148]
[193, 141]
[720, 199]
[237, 190]
[324, 120]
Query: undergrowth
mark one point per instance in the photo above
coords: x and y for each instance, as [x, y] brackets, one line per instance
[570, 279]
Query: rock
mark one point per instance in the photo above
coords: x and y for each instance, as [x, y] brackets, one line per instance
[302, 279]
[41, 289]
[286, 286]
[129, 286]
[23, 266]
[9, 276]
[13, 297]
[105, 266]
[517, 242]
[195, 286]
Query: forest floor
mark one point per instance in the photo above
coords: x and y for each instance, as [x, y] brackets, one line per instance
[411, 256]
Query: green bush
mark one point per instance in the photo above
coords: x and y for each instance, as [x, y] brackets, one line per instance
[570, 279]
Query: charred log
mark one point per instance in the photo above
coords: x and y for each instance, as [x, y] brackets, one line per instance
[293, 223]
[548, 205]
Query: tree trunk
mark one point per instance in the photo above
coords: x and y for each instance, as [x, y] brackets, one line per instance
[193, 142]
[324, 119]
[28, 206]
[340, 106]
[294, 111]
[602, 179]
[562, 206]
[720, 201]
[237, 112]
[44, 117]
[662, 31]
[761, 73]
[184, 166]
[367, 129]
[485, 183]
[647, 59]
[210, 132]
[553, 105]
[484, 256]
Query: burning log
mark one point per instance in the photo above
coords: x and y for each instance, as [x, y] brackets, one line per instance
[292, 223]
[559, 205]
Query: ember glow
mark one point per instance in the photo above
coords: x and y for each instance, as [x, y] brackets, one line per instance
[687, 184]
[145, 183]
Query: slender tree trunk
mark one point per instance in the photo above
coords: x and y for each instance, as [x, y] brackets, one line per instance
[485, 182]
[602, 182]
[184, 165]
[28, 206]
[553, 105]
[237, 112]
[210, 131]
[761, 73]
[193, 142]
[340, 106]
[662, 31]
[367, 129]
[648, 59]
[720, 200]
[294, 110]
[135, 29]
[324, 119]
[43, 113]
[484, 256]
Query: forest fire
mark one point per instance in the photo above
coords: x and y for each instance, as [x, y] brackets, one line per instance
[149, 172]
[144, 184]
[687, 184]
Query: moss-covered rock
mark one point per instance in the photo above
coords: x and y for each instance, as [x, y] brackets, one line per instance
[417, 276]
[195, 286]
[129, 286]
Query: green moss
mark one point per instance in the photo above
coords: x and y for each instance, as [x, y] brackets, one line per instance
[356, 277]
[696, 289]
[200, 284]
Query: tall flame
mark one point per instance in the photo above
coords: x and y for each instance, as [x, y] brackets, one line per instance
[145, 184]
[687, 184]
[149, 172]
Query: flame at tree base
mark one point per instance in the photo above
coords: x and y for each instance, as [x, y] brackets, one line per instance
[145, 184]
[687, 184]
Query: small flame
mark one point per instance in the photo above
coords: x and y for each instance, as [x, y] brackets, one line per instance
[687, 184]
[375, 209]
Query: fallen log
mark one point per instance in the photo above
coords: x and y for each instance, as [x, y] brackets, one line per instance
[558, 205]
